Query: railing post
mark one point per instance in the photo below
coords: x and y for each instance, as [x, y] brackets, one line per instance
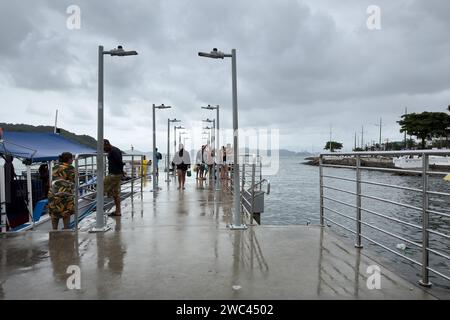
[425, 236]
[322, 222]
[132, 177]
[260, 173]
[142, 177]
[253, 192]
[93, 168]
[2, 200]
[242, 187]
[86, 176]
[105, 161]
[76, 192]
[358, 202]
[30, 195]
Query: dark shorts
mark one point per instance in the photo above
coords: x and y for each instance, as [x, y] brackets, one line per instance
[182, 167]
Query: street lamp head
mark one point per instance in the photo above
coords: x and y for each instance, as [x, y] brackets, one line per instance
[162, 106]
[174, 120]
[120, 52]
[208, 120]
[214, 54]
[210, 107]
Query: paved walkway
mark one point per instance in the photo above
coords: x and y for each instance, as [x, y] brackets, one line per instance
[177, 246]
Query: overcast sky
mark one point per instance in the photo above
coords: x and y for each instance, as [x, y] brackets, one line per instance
[302, 66]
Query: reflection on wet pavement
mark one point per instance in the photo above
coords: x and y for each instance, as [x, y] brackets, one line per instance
[177, 246]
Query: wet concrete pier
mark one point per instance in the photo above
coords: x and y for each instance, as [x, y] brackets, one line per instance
[176, 245]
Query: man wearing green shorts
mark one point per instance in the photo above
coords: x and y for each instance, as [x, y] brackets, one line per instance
[115, 174]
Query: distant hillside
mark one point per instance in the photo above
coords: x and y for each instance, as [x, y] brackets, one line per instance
[81, 139]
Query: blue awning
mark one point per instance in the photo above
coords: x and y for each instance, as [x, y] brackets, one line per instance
[39, 147]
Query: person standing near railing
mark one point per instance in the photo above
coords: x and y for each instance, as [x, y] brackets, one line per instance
[61, 194]
[115, 174]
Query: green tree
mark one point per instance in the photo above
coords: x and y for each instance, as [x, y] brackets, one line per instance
[425, 125]
[333, 145]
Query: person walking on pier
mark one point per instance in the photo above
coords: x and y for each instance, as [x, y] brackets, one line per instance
[115, 174]
[183, 162]
[224, 167]
[61, 203]
[200, 162]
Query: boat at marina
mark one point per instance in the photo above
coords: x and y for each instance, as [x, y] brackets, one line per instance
[407, 162]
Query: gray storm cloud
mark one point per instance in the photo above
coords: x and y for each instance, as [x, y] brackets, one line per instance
[302, 65]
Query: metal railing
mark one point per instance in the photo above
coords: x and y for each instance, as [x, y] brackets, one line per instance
[84, 189]
[251, 182]
[86, 183]
[361, 161]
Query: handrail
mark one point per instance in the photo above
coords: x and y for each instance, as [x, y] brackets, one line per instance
[388, 153]
[423, 210]
[88, 187]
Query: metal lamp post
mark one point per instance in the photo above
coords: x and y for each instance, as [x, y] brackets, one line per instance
[155, 185]
[207, 137]
[209, 107]
[175, 136]
[184, 141]
[179, 137]
[120, 52]
[215, 54]
[168, 146]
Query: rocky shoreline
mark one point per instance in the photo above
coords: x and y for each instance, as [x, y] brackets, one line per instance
[371, 162]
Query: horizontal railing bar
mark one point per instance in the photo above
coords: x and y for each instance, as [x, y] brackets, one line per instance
[390, 153]
[436, 193]
[391, 170]
[392, 202]
[438, 233]
[390, 250]
[86, 205]
[438, 273]
[337, 166]
[337, 189]
[372, 168]
[392, 219]
[340, 225]
[341, 214]
[439, 213]
[247, 201]
[439, 253]
[390, 186]
[339, 178]
[439, 173]
[391, 234]
[339, 201]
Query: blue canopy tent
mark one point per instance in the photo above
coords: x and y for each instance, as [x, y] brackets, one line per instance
[39, 147]
[32, 148]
